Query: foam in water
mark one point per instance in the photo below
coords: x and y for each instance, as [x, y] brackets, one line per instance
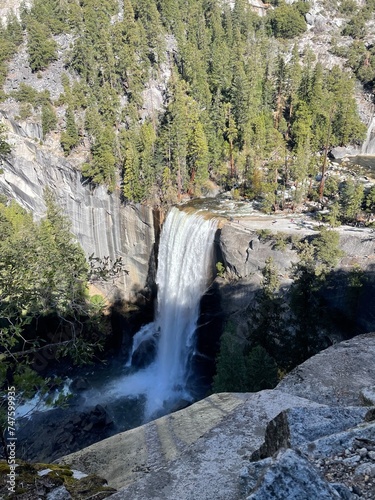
[184, 269]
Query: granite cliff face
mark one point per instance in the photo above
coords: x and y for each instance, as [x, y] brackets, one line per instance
[102, 224]
[244, 252]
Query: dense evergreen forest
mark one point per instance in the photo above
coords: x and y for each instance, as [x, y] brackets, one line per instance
[244, 108]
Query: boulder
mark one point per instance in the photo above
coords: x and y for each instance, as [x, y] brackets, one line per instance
[288, 476]
[341, 152]
[60, 493]
[299, 427]
[368, 395]
[79, 384]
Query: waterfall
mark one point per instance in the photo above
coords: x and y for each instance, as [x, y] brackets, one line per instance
[184, 269]
[368, 147]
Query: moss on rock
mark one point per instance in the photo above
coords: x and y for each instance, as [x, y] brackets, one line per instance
[29, 483]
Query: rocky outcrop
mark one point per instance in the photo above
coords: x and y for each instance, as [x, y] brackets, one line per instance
[331, 463]
[19, 70]
[246, 243]
[245, 248]
[197, 452]
[245, 252]
[9, 7]
[271, 444]
[337, 375]
[102, 224]
[287, 476]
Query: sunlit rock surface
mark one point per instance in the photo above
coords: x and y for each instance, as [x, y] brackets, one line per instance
[336, 375]
[102, 224]
[206, 451]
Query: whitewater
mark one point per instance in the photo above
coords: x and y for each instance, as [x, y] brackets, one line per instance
[185, 268]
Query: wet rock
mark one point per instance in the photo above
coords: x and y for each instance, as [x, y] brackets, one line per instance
[340, 152]
[76, 420]
[98, 416]
[48, 436]
[79, 384]
[145, 354]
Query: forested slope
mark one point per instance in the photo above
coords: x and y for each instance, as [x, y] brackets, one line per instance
[242, 106]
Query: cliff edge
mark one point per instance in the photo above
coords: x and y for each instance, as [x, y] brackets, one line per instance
[311, 437]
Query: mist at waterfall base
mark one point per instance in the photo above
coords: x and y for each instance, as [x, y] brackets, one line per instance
[185, 266]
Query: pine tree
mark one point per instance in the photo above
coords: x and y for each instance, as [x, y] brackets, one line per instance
[101, 169]
[49, 119]
[266, 326]
[5, 148]
[70, 137]
[287, 22]
[132, 188]
[14, 30]
[261, 370]
[230, 365]
[294, 80]
[41, 48]
[240, 93]
[197, 156]
[231, 134]
[351, 197]
[346, 125]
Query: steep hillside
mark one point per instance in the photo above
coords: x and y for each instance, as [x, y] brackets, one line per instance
[157, 100]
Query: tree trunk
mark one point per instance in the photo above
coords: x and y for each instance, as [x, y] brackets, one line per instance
[231, 159]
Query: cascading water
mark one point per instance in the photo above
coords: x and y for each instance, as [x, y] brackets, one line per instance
[368, 147]
[184, 269]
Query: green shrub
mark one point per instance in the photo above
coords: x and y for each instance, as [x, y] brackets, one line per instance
[280, 241]
[264, 234]
[287, 21]
[26, 110]
[220, 269]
